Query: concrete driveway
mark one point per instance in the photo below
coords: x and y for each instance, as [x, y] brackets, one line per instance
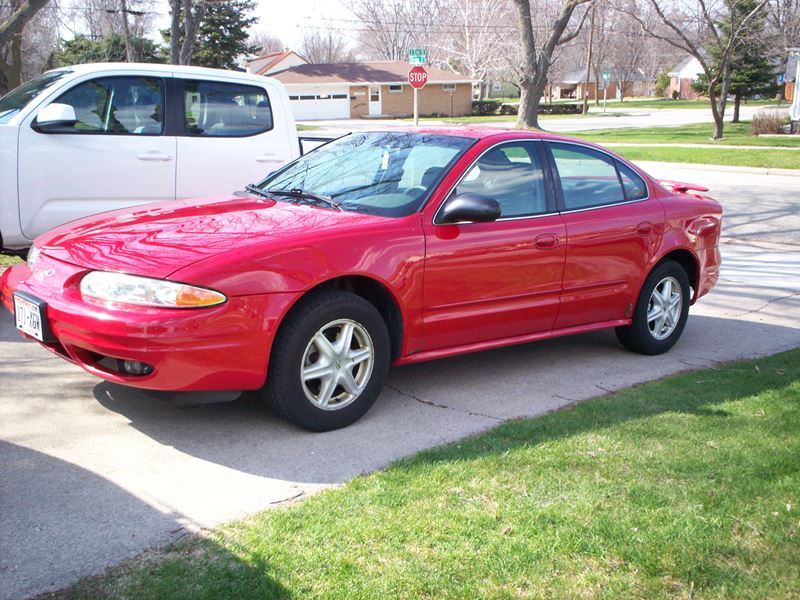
[92, 473]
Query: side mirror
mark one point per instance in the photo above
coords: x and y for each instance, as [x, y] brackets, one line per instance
[54, 117]
[474, 208]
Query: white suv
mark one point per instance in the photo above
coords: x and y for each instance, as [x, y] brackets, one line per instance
[90, 138]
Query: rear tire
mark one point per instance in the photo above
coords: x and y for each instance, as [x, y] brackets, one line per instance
[661, 311]
[329, 361]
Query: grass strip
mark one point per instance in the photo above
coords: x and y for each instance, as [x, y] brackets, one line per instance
[736, 134]
[684, 487]
[714, 156]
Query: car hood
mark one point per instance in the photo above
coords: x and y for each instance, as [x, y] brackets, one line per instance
[157, 240]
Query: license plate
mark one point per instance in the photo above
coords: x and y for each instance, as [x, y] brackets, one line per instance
[29, 317]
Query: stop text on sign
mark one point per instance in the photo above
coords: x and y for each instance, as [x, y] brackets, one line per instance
[417, 77]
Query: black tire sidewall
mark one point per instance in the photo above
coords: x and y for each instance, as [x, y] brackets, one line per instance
[649, 344]
[284, 381]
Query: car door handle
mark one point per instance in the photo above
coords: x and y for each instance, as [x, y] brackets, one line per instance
[546, 241]
[644, 228]
[154, 156]
[267, 158]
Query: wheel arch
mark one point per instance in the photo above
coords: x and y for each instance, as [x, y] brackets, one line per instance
[685, 259]
[374, 292]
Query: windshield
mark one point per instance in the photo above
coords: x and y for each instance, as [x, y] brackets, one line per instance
[15, 100]
[389, 174]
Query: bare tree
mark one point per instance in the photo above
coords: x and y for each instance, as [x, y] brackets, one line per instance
[627, 54]
[708, 30]
[537, 57]
[470, 44]
[389, 28]
[265, 42]
[185, 18]
[11, 26]
[325, 46]
[783, 22]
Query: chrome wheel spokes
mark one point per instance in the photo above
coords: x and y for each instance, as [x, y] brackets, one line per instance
[664, 308]
[337, 364]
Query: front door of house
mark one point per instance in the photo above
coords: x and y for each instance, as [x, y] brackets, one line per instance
[374, 100]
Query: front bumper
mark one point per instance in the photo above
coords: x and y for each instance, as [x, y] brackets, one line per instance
[225, 347]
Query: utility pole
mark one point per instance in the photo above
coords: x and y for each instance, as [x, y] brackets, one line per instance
[589, 65]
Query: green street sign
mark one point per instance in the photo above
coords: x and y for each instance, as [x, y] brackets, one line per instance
[606, 74]
[417, 56]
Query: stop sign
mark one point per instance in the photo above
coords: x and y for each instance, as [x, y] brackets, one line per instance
[417, 77]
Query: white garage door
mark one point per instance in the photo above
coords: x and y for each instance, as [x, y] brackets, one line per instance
[312, 104]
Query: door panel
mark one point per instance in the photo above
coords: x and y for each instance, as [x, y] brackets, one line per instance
[486, 281]
[612, 233]
[113, 157]
[227, 120]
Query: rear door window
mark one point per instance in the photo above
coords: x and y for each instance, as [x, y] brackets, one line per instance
[217, 109]
[117, 106]
[588, 178]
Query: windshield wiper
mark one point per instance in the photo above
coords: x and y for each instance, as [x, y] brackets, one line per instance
[304, 195]
[254, 189]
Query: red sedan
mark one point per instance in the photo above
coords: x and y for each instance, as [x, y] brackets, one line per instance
[377, 248]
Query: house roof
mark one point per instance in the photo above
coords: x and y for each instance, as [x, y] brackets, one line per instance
[579, 76]
[368, 72]
[274, 59]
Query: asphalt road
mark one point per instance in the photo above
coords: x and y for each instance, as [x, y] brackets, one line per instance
[92, 473]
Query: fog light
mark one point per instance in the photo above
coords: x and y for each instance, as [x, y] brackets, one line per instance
[135, 367]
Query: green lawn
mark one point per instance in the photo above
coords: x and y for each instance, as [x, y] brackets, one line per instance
[769, 159]
[7, 261]
[664, 103]
[736, 134]
[687, 487]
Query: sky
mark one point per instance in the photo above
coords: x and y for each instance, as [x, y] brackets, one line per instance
[285, 18]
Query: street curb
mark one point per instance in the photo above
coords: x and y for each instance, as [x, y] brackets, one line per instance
[646, 165]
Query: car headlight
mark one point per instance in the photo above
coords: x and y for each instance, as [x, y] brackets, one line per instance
[33, 256]
[144, 291]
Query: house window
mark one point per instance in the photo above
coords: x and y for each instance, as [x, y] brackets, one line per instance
[497, 86]
[449, 87]
[395, 89]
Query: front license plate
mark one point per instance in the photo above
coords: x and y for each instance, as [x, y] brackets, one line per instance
[29, 317]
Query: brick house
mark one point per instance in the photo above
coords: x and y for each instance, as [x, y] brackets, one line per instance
[371, 89]
[682, 78]
[574, 85]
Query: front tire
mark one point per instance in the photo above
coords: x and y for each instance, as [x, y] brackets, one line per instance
[329, 361]
[661, 311]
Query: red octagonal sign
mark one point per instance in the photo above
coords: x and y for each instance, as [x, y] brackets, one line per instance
[417, 77]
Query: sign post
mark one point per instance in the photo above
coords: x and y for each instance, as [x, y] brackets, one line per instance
[606, 77]
[417, 78]
[794, 110]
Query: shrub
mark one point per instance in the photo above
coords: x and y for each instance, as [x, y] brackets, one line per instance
[769, 122]
[560, 109]
[509, 109]
[482, 108]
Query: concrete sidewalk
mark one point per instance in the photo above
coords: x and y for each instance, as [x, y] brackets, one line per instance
[92, 473]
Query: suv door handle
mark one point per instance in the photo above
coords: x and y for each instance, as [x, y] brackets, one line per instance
[546, 241]
[267, 158]
[154, 156]
[644, 228]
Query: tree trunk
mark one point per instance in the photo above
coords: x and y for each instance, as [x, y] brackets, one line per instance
[191, 21]
[736, 102]
[130, 56]
[719, 123]
[175, 32]
[529, 100]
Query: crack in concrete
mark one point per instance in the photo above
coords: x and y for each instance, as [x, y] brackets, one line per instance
[443, 406]
[765, 305]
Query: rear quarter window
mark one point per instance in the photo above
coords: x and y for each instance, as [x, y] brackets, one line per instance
[219, 109]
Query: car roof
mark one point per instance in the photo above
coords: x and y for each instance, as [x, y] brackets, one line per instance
[480, 132]
[159, 67]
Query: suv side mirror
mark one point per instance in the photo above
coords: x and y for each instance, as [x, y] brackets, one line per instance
[475, 208]
[54, 117]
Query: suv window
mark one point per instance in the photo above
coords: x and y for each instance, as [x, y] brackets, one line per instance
[214, 109]
[588, 178]
[117, 105]
[512, 175]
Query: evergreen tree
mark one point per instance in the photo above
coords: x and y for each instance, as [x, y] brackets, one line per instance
[752, 68]
[222, 35]
[111, 48]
